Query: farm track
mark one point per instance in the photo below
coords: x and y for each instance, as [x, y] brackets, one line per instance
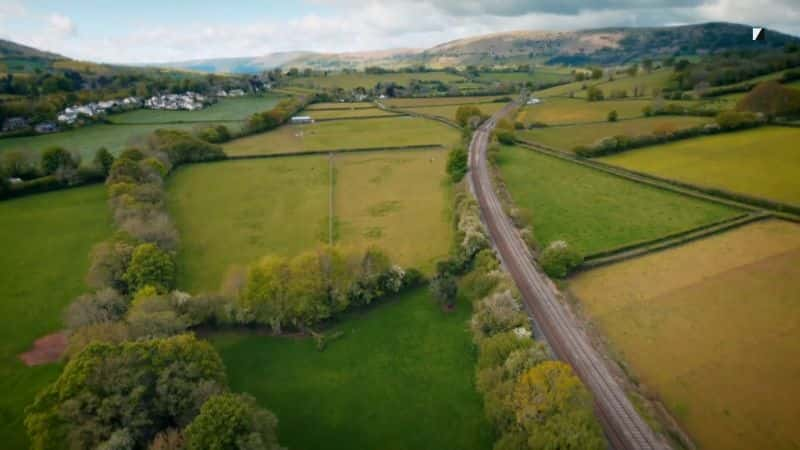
[623, 426]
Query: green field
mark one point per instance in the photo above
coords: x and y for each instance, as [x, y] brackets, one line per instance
[569, 137]
[45, 240]
[438, 101]
[449, 112]
[593, 210]
[349, 134]
[761, 162]
[401, 377]
[87, 140]
[710, 328]
[539, 76]
[644, 82]
[367, 80]
[558, 111]
[340, 105]
[397, 201]
[228, 109]
[343, 113]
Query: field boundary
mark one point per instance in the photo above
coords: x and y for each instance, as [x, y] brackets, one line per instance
[333, 119]
[333, 151]
[311, 108]
[420, 115]
[178, 122]
[687, 190]
[445, 104]
[665, 242]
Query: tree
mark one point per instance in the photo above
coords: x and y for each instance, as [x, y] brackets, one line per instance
[505, 137]
[457, 163]
[105, 305]
[771, 99]
[103, 160]
[444, 289]
[465, 112]
[55, 158]
[232, 422]
[140, 388]
[555, 410]
[150, 266]
[559, 259]
[594, 93]
[612, 115]
[647, 65]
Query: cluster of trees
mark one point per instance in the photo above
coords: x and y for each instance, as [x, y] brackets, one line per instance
[167, 393]
[470, 116]
[532, 401]
[457, 163]
[298, 292]
[276, 116]
[733, 67]
[559, 259]
[725, 121]
[772, 100]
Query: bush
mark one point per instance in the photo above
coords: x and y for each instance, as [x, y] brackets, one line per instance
[559, 259]
[103, 160]
[216, 134]
[444, 289]
[612, 115]
[465, 113]
[150, 266]
[457, 163]
[594, 94]
[505, 137]
[734, 120]
[55, 158]
[181, 147]
[105, 305]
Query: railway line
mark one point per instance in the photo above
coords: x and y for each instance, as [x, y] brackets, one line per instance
[624, 427]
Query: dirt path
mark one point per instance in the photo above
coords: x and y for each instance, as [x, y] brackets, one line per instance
[46, 350]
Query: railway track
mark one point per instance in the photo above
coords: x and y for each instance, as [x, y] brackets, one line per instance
[624, 427]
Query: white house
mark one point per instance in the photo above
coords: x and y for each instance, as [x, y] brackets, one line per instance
[301, 119]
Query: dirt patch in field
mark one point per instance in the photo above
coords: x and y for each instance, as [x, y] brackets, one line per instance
[46, 350]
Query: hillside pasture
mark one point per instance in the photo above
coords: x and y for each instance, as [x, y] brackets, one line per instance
[644, 82]
[449, 112]
[762, 162]
[593, 210]
[227, 109]
[342, 113]
[46, 240]
[400, 377]
[560, 111]
[340, 105]
[537, 77]
[345, 134]
[369, 80]
[710, 329]
[571, 136]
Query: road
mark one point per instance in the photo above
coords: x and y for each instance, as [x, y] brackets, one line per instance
[624, 428]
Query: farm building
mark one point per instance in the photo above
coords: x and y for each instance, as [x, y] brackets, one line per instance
[301, 119]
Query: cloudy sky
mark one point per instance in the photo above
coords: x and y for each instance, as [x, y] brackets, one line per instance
[153, 31]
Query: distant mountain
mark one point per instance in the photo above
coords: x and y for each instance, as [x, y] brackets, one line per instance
[10, 50]
[596, 46]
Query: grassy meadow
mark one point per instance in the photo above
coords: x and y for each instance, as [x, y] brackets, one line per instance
[228, 109]
[342, 113]
[235, 212]
[438, 101]
[252, 208]
[348, 134]
[593, 210]
[449, 112]
[711, 329]
[762, 162]
[400, 377]
[645, 82]
[398, 201]
[539, 76]
[340, 105]
[571, 136]
[46, 240]
[559, 111]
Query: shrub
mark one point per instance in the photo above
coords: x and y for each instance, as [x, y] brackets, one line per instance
[494, 350]
[612, 115]
[150, 266]
[465, 112]
[181, 147]
[732, 120]
[559, 259]
[444, 289]
[105, 305]
[497, 313]
[505, 137]
[103, 160]
[216, 134]
[594, 93]
[232, 421]
[109, 262]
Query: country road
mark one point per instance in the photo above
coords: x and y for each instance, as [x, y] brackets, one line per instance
[623, 426]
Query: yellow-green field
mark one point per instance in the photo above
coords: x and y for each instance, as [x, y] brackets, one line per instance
[340, 105]
[645, 82]
[762, 162]
[343, 113]
[395, 200]
[438, 101]
[347, 134]
[711, 328]
[555, 111]
[367, 80]
[569, 137]
[449, 112]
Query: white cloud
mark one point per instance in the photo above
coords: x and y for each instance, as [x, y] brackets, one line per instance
[61, 25]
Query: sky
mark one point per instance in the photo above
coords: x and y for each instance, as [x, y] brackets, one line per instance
[140, 31]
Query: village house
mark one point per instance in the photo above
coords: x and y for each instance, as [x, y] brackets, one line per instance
[15, 124]
[301, 119]
[46, 127]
